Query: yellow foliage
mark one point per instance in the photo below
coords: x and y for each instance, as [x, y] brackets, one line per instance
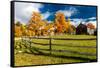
[18, 31]
[37, 26]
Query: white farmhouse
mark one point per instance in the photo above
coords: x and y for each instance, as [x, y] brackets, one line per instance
[90, 28]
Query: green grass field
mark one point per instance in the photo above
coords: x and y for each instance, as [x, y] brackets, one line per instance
[39, 53]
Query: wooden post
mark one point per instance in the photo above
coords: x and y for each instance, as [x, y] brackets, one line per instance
[25, 41]
[21, 43]
[30, 42]
[50, 46]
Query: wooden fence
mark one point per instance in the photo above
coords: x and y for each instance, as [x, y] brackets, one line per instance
[29, 39]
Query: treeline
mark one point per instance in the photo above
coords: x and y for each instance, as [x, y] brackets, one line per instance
[38, 27]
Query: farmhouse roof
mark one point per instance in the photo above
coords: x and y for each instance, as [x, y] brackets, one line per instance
[90, 25]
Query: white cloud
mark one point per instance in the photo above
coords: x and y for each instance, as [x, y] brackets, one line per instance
[45, 15]
[93, 21]
[23, 11]
[70, 12]
[73, 23]
[92, 18]
[77, 21]
[50, 21]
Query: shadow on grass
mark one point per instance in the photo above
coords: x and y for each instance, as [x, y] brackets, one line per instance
[66, 45]
[36, 51]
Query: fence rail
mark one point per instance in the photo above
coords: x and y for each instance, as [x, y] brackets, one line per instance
[62, 38]
[29, 39]
[69, 51]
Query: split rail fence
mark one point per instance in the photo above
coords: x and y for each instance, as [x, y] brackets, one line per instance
[29, 40]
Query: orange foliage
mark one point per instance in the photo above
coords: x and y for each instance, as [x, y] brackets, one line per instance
[61, 23]
[36, 26]
[18, 31]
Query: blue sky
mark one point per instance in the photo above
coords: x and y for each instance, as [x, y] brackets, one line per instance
[77, 14]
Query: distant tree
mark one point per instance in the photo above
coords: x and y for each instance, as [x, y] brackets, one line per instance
[18, 23]
[36, 24]
[72, 29]
[18, 29]
[63, 25]
[35, 17]
[23, 28]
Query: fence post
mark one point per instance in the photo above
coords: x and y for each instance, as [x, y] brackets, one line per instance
[50, 46]
[25, 41]
[30, 42]
[21, 43]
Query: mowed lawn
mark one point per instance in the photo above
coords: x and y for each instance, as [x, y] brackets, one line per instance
[63, 51]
